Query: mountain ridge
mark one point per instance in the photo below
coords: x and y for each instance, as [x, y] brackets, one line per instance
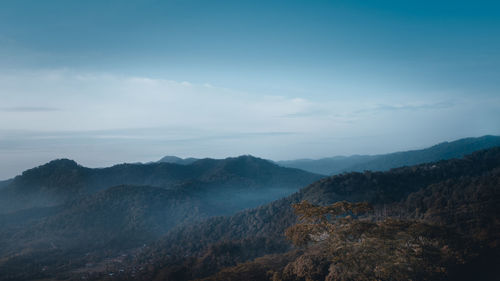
[177, 160]
[195, 228]
[267, 223]
[383, 162]
[63, 180]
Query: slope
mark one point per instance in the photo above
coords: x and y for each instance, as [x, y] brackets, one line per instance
[63, 180]
[262, 228]
[383, 162]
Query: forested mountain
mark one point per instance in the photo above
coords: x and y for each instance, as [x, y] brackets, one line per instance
[251, 179]
[4, 183]
[468, 189]
[446, 231]
[383, 162]
[178, 160]
[74, 214]
[115, 218]
[433, 221]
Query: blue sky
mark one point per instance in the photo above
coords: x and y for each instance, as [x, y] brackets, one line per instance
[123, 81]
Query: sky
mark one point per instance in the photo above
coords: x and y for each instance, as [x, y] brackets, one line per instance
[105, 82]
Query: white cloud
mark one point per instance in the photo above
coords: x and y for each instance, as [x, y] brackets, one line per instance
[101, 119]
[103, 101]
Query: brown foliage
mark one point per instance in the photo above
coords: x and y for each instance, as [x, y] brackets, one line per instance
[363, 249]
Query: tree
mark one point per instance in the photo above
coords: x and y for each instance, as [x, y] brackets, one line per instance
[359, 247]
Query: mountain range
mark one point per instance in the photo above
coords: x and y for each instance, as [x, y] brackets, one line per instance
[178, 160]
[227, 219]
[65, 209]
[384, 162]
[413, 192]
[251, 179]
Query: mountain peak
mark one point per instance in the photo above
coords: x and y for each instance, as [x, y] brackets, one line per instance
[54, 166]
[247, 157]
[177, 160]
[63, 162]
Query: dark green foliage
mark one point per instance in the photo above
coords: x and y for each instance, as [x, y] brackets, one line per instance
[471, 205]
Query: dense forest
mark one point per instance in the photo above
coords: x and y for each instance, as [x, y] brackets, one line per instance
[247, 140]
[65, 211]
[406, 198]
[252, 180]
[433, 221]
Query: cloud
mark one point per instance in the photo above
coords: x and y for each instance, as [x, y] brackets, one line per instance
[408, 107]
[94, 101]
[309, 113]
[28, 109]
[101, 119]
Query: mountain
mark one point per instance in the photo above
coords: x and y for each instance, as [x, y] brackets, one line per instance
[383, 162]
[200, 250]
[5, 183]
[174, 232]
[114, 218]
[77, 214]
[452, 227]
[251, 179]
[177, 160]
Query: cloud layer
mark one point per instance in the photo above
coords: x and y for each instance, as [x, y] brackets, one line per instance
[100, 119]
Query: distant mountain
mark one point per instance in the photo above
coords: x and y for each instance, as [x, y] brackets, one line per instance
[5, 183]
[252, 180]
[383, 162]
[177, 160]
[64, 210]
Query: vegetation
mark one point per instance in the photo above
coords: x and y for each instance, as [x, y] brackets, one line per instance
[248, 180]
[359, 248]
[427, 222]
[64, 209]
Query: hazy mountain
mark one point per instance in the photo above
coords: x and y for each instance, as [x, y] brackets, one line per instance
[115, 218]
[5, 183]
[225, 241]
[177, 160]
[252, 179]
[64, 210]
[156, 233]
[383, 162]
[459, 215]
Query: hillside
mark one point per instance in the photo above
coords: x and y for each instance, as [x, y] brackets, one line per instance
[63, 180]
[4, 183]
[225, 241]
[133, 232]
[177, 160]
[453, 224]
[62, 215]
[383, 162]
[115, 218]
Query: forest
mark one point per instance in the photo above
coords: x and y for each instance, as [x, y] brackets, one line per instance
[433, 221]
